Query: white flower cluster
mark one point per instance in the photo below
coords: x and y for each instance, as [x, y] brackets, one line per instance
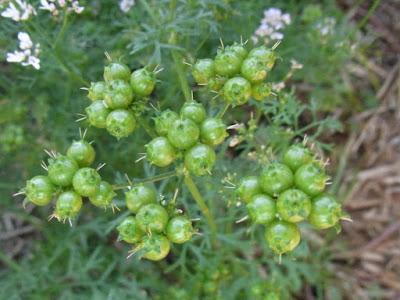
[18, 10]
[271, 25]
[126, 5]
[28, 53]
[326, 26]
[53, 6]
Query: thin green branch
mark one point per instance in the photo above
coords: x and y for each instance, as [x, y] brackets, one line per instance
[61, 31]
[147, 180]
[185, 87]
[223, 111]
[371, 10]
[201, 203]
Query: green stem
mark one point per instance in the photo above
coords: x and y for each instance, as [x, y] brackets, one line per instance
[371, 10]
[145, 124]
[334, 189]
[9, 262]
[223, 111]
[201, 203]
[309, 126]
[185, 87]
[147, 180]
[62, 30]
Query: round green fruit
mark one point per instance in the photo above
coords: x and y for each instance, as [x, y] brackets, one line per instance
[253, 70]
[262, 209]
[39, 190]
[183, 134]
[61, 170]
[248, 187]
[120, 123]
[116, 71]
[275, 178]
[227, 63]
[156, 247]
[200, 159]
[97, 90]
[216, 83]
[86, 182]
[203, 70]
[179, 230]
[237, 91]
[293, 205]
[82, 152]
[325, 212]
[164, 121]
[152, 218]
[213, 131]
[143, 82]
[282, 236]
[118, 95]
[193, 111]
[129, 230]
[68, 205]
[260, 91]
[264, 55]
[140, 195]
[296, 156]
[97, 114]
[103, 196]
[160, 152]
[239, 49]
[311, 179]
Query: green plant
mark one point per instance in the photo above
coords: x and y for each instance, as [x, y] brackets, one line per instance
[287, 194]
[171, 34]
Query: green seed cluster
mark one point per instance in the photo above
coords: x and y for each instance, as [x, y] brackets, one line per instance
[236, 74]
[152, 228]
[114, 99]
[289, 192]
[191, 135]
[264, 290]
[12, 136]
[210, 281]
[69, 179]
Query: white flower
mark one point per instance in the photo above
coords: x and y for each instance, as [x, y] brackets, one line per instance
[16, 56]
[53, 6]
[61, 3]
[76, 8]
[126, 5]
[32, 61]
[25, 41]
[28, 53]
[278, 86]
[270, 25]
[276, 36]
[326, 26]
[296, 65]
[49, 6]
[20, 12]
